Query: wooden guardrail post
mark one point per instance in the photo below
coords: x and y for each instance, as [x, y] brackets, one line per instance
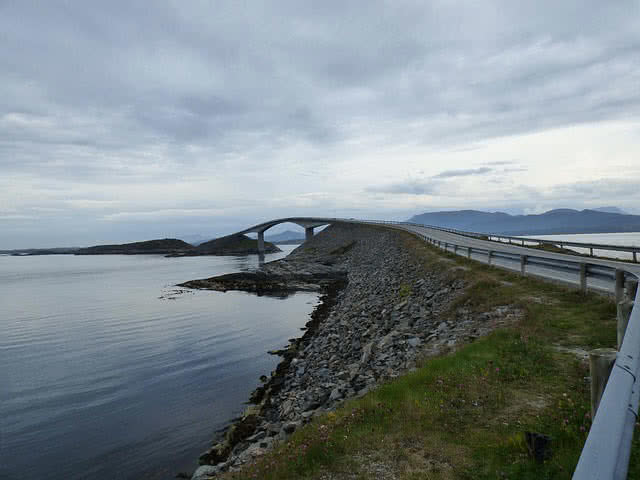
[469, 252]
[619, 289]
[601, 361]
[623, 314]
[624, 305]
[455, 248]
[523, 264]
[583, 277]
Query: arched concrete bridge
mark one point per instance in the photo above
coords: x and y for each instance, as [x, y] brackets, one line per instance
[471, 245]
[308, 223]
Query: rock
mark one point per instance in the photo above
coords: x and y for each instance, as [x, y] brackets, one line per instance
[336, 394]
[286, 407]
[290, 427]
[414, 342]
[258, 436]
[306, 416]
[366, 353]
[205, 472]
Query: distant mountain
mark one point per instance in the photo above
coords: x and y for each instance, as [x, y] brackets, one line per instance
[233, 245]
[610, 210]
[165, 245]
[563, 220]
[288, 236]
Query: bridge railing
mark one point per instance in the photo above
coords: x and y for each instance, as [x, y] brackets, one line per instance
[607, 450]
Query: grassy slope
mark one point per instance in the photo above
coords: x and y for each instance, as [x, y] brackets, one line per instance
[463, 415]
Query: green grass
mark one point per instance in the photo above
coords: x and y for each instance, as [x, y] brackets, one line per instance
[464, 415]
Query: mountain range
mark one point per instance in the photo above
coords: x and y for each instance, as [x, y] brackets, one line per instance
[558, 221]
[288, 236]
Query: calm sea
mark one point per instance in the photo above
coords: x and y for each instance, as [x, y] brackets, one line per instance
[106, 372]
[626, 239]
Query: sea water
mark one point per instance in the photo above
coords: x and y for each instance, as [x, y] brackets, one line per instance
[108, 371]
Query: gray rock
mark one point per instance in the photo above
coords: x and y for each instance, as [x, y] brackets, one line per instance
[366, 353]
[290, 427]
[204, 472]
[336, 394]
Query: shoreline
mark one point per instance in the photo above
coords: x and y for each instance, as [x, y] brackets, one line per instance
[385, 314]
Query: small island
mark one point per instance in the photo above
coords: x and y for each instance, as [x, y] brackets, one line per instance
[173, 247]
[162, 246]
[236, 244]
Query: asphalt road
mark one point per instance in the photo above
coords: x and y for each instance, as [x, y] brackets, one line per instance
[571, 277]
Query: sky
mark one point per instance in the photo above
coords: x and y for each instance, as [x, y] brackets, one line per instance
[132, 120]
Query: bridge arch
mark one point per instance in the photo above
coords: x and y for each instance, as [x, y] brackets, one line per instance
[308, 223]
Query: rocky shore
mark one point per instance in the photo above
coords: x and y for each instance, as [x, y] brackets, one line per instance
[380, 311]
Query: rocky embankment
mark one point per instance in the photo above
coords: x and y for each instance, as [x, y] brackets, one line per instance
[381, 309]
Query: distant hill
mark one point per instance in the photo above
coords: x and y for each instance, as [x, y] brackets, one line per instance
[165, 245]
[40, 251]
[557, 221]
[233, 245]
[610, 210]
[196, 239]
[288, 236]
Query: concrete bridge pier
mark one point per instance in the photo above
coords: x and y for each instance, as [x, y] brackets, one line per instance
[308, 233]
[261, 243]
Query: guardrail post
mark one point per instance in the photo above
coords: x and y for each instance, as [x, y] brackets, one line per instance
[591, 251]
[632, 288]
[455, 249]
[523, 264]
[623, 314]
[583, 277]
[635, 258]
[523, 243]
[601, 361]
[619, 290]
[469, 252]
[489, 255]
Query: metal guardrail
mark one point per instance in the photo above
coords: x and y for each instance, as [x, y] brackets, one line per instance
[632, 249]
[607, 450]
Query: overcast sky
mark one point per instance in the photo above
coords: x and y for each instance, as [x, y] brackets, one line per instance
[125, 120]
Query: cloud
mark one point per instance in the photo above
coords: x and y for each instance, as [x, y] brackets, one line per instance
[126, 100]
[410, 187]
[463, 172]
[432, 185]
